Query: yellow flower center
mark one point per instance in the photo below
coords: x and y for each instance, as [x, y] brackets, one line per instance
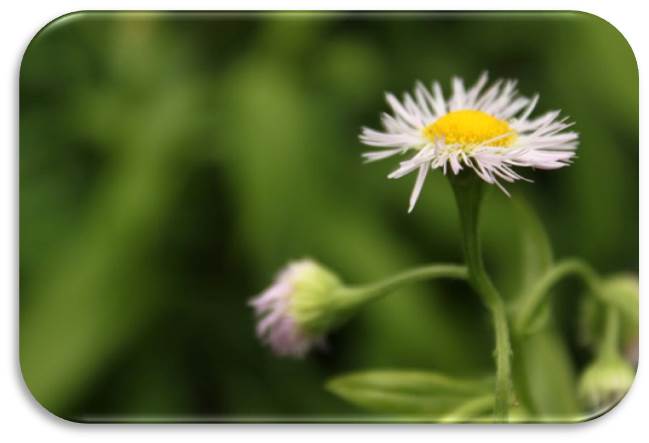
[471, 128]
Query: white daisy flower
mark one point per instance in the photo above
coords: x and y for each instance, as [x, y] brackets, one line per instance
[298, 309]
[488, 130]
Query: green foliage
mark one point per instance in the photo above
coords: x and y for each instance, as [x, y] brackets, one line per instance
[535, 248]
[428, 395]
[543, 372]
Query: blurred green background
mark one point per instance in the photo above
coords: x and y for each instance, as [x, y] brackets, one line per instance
[171, 163]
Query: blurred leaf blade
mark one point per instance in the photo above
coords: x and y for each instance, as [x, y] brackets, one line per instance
[411, 392]
[543, 370]
[536, 249]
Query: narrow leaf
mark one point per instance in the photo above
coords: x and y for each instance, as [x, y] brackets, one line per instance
[409, 392]
[536, 251]
[544, 373]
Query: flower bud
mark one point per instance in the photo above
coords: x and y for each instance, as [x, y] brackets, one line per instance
[605, 382]
[299, 308]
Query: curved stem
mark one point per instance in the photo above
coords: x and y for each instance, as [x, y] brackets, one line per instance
[540, 293]
[352, 296]
[468, 190]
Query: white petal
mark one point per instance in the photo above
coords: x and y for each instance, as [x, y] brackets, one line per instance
[458, 99]
[400, 111]
[440, 104]
[380, 155]
[419, 183]
[474, 92]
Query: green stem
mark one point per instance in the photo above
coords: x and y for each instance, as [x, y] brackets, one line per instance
[540, 293]
[469, 189]
[353, 296]
[609, 346]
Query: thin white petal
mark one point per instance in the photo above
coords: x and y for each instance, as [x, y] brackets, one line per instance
[419, 183]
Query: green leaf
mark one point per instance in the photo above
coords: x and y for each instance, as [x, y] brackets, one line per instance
[544, 374]
[415, 393]
[535, 248]
[535, 253]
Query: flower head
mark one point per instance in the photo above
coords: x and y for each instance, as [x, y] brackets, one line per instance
[606, 381]
[488, 130]
[298, 309]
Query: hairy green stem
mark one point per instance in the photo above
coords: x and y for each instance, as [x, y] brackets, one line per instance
[469, 189]
[540, 293]
[360, 294]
